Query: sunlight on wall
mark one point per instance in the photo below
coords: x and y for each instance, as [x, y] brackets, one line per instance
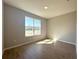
[55, 40]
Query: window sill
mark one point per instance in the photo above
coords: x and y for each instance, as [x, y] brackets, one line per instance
[32, 36]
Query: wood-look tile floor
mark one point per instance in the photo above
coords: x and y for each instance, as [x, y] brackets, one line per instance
[42, 51]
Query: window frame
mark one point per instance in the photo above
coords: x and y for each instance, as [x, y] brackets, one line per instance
[33, 27]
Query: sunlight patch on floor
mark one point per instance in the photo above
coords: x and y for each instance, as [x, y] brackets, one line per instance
[47, 41]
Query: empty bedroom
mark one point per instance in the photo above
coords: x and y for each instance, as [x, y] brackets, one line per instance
[39, 29]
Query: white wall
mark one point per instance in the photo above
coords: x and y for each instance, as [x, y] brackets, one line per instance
[14, 27]
[63, 27]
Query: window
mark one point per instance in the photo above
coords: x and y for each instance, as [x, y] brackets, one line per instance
[32, 26]
[37, 27]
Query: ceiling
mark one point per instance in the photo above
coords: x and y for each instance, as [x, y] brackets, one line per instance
[55, 7]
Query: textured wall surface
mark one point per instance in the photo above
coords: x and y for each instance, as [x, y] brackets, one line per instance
[14, 27]
[63, 27]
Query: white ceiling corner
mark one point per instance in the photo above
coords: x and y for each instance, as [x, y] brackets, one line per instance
[55, 7]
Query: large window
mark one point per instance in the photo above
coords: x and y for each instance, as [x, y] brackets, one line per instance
[32, 26]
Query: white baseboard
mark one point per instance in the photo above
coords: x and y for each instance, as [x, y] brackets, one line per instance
[68, 42]
[19, 45]
[14, 46]
[31, 42]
